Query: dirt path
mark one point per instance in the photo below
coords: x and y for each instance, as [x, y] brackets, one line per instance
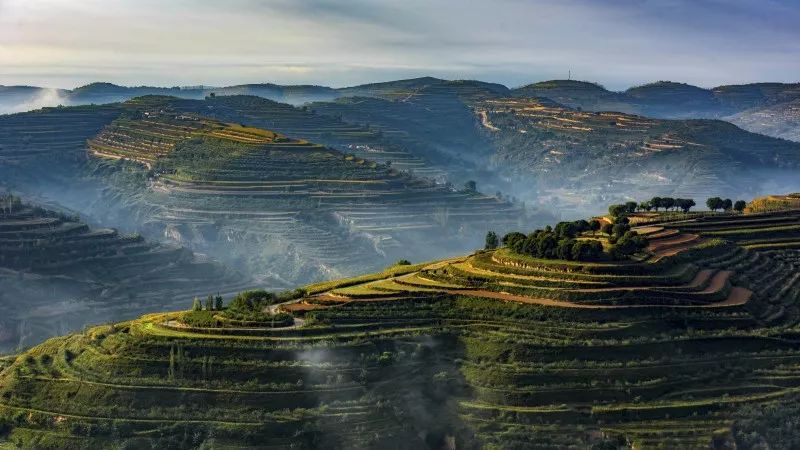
[485, 121]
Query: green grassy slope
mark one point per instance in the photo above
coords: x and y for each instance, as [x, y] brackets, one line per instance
[683, 349]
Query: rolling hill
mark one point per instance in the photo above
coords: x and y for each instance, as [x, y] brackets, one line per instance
[273, 206]
[582, 156]
[691, 343]
[781, 120]
[566, 159]
[60, 274]
[766, 108]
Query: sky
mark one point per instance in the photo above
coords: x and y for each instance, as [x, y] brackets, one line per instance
[618, 43]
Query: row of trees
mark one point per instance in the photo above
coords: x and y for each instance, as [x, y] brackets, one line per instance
[213, 303]
[715, 203]
[655, 203]
[674, 204]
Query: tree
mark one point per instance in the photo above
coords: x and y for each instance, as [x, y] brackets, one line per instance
[210, 303]
[714, 203]
[564, 249]
[607, 228]
[471, 186]
[511, 239]
[252, 300]
[617, 210]
[685, 204]
[655, 202]
[630, 207]
[196, 305]
[492, 241]
[619, 229]
[595, 225]
[588, 250]
[628, 244]
[645, 206]
[668, 202]
[218, 302]
[740, 205]
[727, 204]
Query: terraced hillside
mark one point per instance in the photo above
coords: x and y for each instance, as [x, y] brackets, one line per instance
[582, 156]
[221, 184]
[362, 140]
[766, 108]
[55, 134]
[277, 207]
[58, 274]
[691, 344]
[663, 99]
[781, 120]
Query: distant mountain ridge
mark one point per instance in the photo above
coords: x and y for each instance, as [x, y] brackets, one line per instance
[746, 105]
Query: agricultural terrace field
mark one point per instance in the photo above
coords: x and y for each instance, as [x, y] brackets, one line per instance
[275, 206]
[693, 344]
[362, 140]
[609, 151]
[774, 203]
[58, 274]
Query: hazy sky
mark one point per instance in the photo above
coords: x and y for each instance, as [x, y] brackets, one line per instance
[65, 43]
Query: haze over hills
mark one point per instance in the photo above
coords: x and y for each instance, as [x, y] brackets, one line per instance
[58, 274]
[436, 129]
[557, 157]
[739, 104]
[283, 209]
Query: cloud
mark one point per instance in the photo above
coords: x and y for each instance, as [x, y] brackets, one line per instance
[615, 42]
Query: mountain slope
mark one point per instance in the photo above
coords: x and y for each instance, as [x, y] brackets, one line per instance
[59, 274]
[766, 108]
[682, 349]
[273, 206]
[583, 157]
[781, 120]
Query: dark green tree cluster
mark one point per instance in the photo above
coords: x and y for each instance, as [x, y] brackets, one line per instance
[624, 242]
[258, 299]
[715, 203]
[253, 300]
[558, 243]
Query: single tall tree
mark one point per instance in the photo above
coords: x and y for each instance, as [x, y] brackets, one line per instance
[492, 241]
[210, 303]
[740, 205]
[595, 225]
